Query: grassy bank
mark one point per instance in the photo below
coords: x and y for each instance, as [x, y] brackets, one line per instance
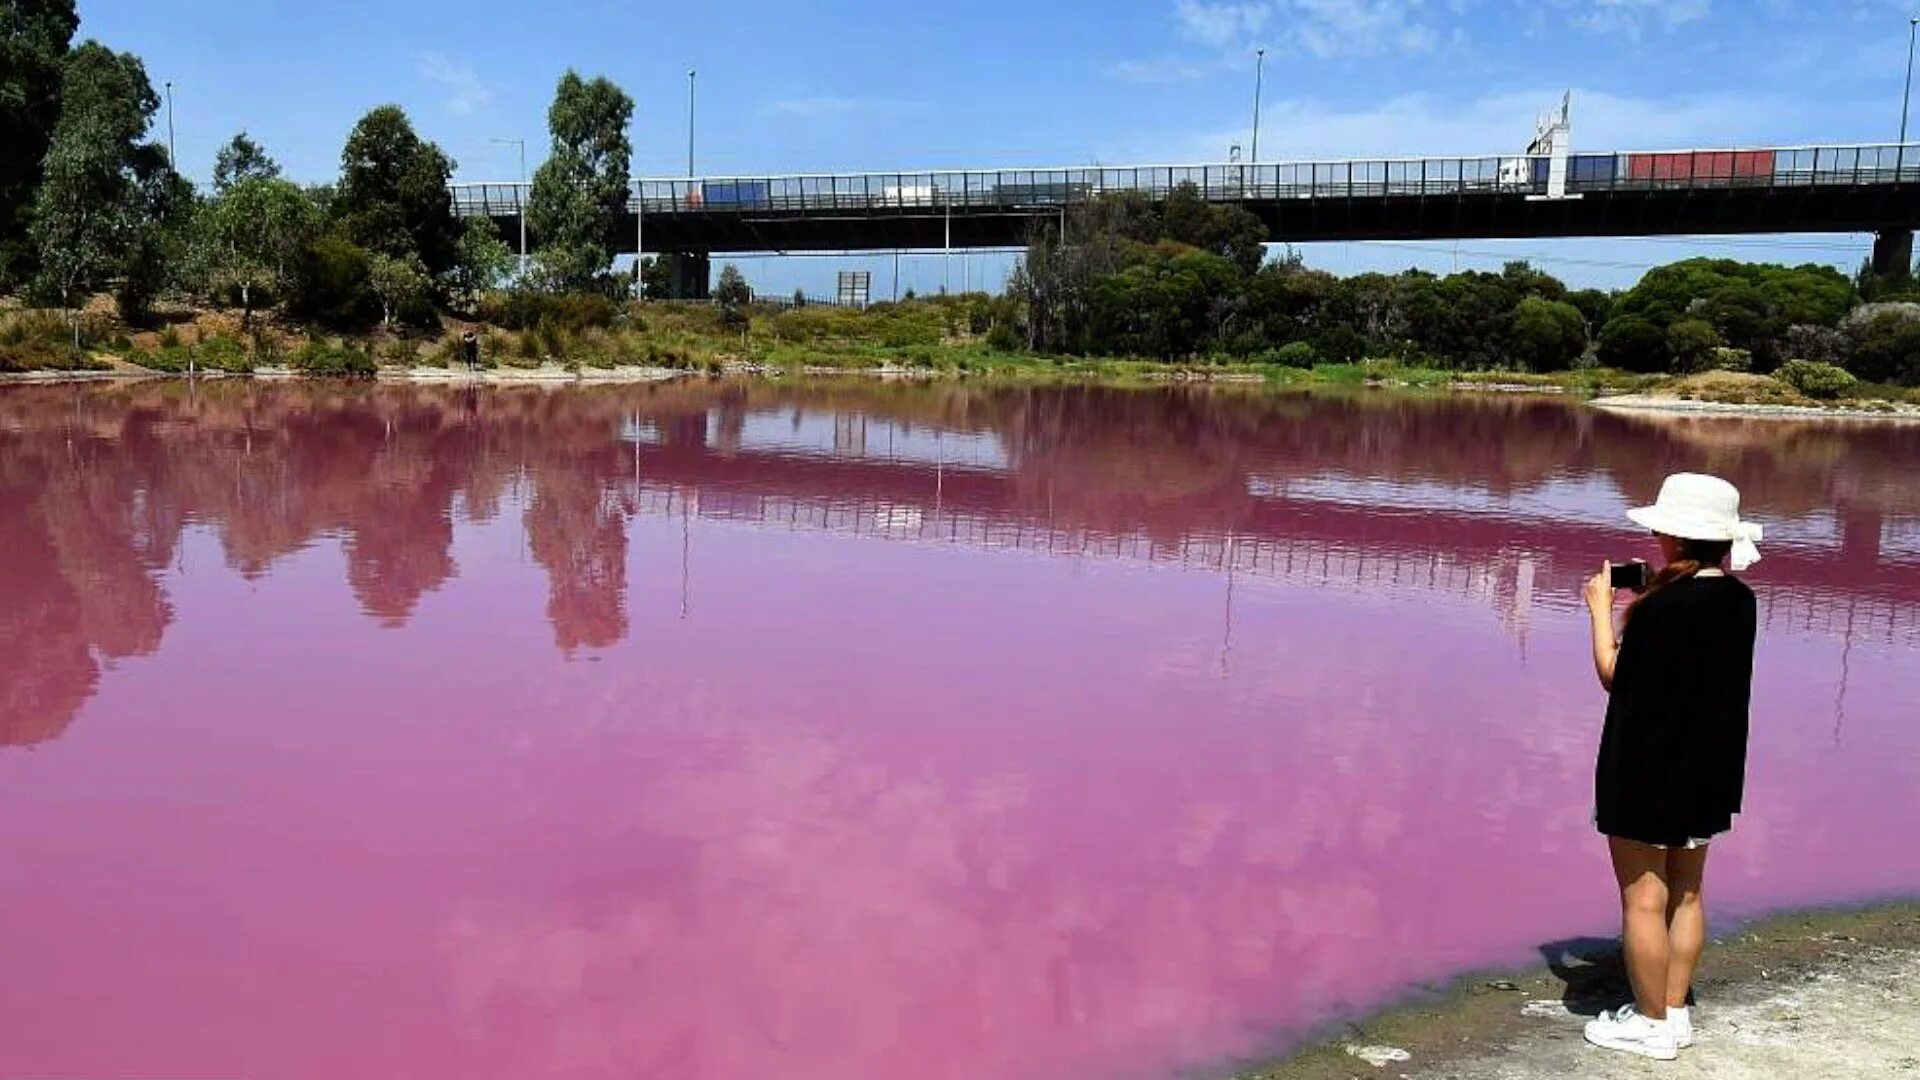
[940, 337]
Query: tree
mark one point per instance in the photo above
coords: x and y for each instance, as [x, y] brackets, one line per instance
[1691, 344]
[331, 282]
[1886, 342]
[1549, 335]
[393, 194]
[241, 159]
[34, 37]
[1632, 343]
[157, 254]
[733, 294]
[656, 278]
[400, 281]
[580, 191]
[252, 237]
[92, 211]
[483, 263]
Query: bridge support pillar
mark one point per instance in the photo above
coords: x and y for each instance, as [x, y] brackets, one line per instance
[688, 272]
[1893, 253]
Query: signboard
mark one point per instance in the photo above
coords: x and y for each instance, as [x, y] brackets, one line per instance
[854, 289]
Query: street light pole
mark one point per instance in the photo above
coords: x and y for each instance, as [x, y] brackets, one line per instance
[520, 198]
[639, 219]
[173, 158]
[1906, 96]
[1259, 72]
[690, 74]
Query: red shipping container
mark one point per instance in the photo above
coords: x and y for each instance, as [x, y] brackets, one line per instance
[1701, 167]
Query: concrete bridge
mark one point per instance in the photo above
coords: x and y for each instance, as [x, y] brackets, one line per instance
[1811, 189]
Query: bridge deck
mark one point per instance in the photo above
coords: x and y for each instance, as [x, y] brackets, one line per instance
[1794, 189]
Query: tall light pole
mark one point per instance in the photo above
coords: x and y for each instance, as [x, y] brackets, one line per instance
[171, 156]
[1259, 72]
[520, 197]
[1906, 96]
[690, 74]
[639, 214]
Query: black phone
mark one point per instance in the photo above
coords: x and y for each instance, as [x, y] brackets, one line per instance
[1630, 575]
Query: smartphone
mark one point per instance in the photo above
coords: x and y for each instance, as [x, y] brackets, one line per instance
[1630, 575]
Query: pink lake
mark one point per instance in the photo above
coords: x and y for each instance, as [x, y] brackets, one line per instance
[852, 731]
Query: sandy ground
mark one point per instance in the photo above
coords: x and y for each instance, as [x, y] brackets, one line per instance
[1833, 994]
[1673, 404]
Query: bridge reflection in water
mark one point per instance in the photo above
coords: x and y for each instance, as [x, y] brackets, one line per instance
[1505, 503]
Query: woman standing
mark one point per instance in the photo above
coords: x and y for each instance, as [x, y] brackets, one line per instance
[1673, 753]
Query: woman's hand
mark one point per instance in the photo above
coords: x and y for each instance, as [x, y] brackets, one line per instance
[1606, 651]
[1600, 591]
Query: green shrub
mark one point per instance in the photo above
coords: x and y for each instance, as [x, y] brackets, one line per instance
[1693, 344]
[333, 284]
[222, 353]
[400, 352]
[1815, 378]
[1631, 343]
[1725, 359]
[333, 360]
[1297, 354]
[522, 309]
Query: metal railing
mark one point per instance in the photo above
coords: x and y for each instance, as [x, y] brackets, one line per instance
[1041, 190]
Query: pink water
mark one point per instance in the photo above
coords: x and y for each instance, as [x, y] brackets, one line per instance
[844, 732]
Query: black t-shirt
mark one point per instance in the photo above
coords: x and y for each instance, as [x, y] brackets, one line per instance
[1673, 755]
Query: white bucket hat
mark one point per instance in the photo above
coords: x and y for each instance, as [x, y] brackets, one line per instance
[1696, 507]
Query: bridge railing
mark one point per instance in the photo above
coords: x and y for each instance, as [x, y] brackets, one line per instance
[1038, 191]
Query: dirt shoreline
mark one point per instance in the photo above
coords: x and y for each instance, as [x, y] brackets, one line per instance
[1822, 992]
[1667, 403]
[558, 375]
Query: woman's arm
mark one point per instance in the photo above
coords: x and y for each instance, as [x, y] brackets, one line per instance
[1606, 649]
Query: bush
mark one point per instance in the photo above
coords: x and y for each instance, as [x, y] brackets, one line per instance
[1725, 359]
[522, 309]
[401, 352]
[1298, 354]
[1548, 335]
[332, 284]
[1816, 378]
[1631, 343]
[1692, 343]
[333, 360]
[222, 353]
[42, 341]
[1886, 343]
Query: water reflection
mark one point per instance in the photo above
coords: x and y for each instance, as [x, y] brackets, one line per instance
[935, 730]
[1502, 500]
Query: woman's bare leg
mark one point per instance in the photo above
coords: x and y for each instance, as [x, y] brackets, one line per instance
[1686, 920]
[1641, 870]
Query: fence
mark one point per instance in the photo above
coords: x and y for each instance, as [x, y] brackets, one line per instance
[1031, 190]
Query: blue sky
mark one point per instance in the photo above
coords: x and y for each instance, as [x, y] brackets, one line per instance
[816, 87]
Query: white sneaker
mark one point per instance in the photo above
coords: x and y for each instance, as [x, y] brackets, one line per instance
[1680, 1022]
[1624, 1029]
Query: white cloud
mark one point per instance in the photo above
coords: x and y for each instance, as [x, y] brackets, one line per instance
[1630, 17]
[1334, 28]
[829, 107]
[465, 91]
[1172, 69]
[1224, 31]
[1304, 129]
[1220, 26]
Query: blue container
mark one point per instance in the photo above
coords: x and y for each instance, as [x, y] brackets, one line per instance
[1583, 171]
[734, 194]
[1591, 170]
